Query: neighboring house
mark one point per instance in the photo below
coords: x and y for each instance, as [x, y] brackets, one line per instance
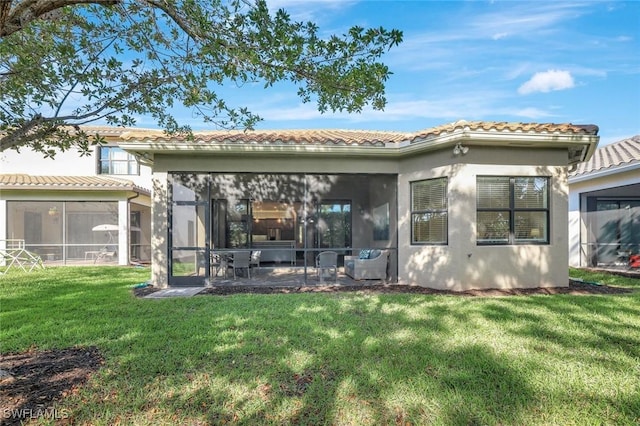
[77, 210]
[604, 206]
[460, 206]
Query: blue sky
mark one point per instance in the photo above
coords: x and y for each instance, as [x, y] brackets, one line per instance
[538, 61]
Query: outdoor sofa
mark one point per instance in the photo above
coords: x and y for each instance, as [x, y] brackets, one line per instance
[368, 265]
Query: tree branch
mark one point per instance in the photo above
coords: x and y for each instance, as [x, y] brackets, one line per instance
[26, 11]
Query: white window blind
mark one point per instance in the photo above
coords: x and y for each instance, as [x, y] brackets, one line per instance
[429, 216]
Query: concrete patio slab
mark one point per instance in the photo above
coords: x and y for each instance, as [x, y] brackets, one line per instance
[175, 292]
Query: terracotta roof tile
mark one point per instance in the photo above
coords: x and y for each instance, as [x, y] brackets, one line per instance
[507, 127]
[353, 137]
[617, 154]
[17, 181]
[278, 137]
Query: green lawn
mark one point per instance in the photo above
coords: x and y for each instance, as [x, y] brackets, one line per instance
[349, 358]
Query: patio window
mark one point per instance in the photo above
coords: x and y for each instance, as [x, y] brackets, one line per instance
[429, 213]
[334, 224]
[512, 210]
[115, 161]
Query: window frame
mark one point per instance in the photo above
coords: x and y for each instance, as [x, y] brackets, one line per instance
[513, 210]
[444, 210]
[110, 161]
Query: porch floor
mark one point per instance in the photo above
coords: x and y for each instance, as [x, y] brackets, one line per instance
[280, 276]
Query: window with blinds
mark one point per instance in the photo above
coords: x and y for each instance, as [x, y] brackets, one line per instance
[512, 210]
[429, 216]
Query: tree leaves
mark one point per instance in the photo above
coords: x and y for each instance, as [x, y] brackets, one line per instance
[118, 60]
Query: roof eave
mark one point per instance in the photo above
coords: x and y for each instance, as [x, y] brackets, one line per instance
[596, 174]
[584, 145]
[145, 151]
[14, 187]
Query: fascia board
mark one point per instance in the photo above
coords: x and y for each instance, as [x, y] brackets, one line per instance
[258, 149]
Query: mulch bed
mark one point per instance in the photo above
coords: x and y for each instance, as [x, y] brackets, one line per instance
[31, 382]
[575, 287]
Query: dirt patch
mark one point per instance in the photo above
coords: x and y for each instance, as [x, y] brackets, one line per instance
[575, 287]
[31, 382]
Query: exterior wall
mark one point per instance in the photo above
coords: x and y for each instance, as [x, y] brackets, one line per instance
[579, 188]
[68, 163]
[459, 265]
[3, 224]
[271, 164]
[159, 231]
[462, 264]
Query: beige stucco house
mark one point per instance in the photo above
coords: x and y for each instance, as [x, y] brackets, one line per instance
[74, 209]
[460, 206]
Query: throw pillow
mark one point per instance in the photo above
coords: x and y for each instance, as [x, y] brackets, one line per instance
[364, 254]
[374, 254]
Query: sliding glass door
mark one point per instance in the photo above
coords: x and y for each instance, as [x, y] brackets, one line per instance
[334, 224]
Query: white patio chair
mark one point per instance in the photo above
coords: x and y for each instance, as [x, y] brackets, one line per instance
[255, 259]
[14, 254]
[106, 253]
[216, 263]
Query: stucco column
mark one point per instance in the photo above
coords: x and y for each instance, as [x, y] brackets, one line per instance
[123, 232]
[3, 219]
[159, 231]
[3, 227]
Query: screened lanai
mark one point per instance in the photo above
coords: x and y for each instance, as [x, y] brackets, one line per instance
[288, 218]
[80, 232]
[611, 226]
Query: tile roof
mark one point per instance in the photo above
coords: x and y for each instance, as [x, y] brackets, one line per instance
[277, 137]
[612, 156]
[354, 137]
[25, 181]
[508, 127]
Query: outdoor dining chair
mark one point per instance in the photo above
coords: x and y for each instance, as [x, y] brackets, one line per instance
[216, 263]
[241, 260]
[255, 259]
[327, 265]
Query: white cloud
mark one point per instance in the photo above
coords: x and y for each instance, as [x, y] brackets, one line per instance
[308, 10]
[547, 81]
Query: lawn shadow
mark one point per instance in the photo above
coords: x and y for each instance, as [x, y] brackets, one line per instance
[359, 359]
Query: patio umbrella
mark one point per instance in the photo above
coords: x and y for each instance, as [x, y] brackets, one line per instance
[106, 227]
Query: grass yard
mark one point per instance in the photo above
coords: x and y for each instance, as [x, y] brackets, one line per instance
[337, 358]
